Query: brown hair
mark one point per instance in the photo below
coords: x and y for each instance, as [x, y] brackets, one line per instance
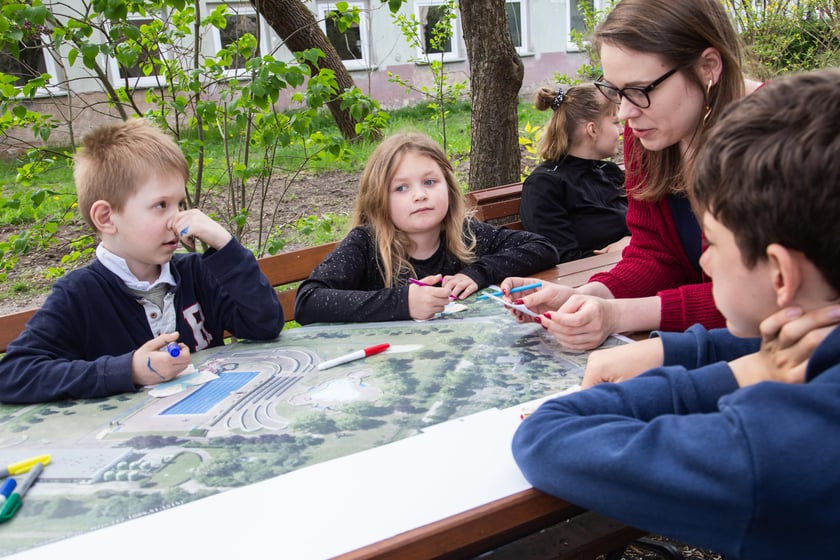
[116, 159]
[372, 208]
[677, 31]
[768, 170]
[573, 107]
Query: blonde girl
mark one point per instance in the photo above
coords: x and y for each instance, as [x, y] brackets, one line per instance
[413, 246]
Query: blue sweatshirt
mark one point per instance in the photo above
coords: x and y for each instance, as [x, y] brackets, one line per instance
[81, 342]
[681, 451]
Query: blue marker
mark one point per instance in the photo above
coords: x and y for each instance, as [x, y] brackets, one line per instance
[7, 489]
[173, 349]
[513, 291]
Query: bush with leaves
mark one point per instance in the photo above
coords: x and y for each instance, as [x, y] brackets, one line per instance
[222, 113]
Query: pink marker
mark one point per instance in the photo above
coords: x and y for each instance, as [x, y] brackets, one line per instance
[357, 355]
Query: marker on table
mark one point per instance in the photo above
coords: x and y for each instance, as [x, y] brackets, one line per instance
[22, 466]
[499, 293]
[15, 500]
[173, 349]
[357, 355]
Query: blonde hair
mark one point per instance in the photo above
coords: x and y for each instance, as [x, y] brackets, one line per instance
[372, 205]
[116, 159]
[677, 31]
[571, 108]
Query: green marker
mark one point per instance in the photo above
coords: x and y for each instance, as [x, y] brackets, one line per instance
[14, 501]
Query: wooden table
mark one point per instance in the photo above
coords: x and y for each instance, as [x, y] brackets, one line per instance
[461, 535]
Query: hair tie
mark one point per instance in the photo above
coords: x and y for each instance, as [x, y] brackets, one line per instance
[558, 99]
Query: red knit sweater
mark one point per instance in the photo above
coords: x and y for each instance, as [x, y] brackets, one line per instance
[655, 262]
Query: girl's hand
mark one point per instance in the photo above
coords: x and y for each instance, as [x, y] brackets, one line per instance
[582, 322]
[460, 286]
[788, 338]
[152, 363]
[425, 301]
[194, 224]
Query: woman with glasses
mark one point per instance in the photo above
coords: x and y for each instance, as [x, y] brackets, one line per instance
[670, 66]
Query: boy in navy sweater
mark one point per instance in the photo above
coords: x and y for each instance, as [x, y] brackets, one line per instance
[105, 328]
[720, 447]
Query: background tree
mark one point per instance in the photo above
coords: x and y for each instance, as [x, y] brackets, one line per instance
[296, 25]
[496, 73]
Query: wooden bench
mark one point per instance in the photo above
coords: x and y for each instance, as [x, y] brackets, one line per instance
[498, 205]
[280, 269]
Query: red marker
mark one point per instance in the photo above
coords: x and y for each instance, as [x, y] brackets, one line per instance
[357, 355]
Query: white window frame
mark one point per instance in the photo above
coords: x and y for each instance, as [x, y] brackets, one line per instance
[140, 82]
[54, 85]
[570, 44]
[455, 53]
[524, 26]
[239, 8]
[364, 32]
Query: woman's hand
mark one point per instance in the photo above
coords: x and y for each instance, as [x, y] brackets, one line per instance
[582, 322]
[548, 297]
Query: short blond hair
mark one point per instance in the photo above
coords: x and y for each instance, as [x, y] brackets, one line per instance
[116, 159]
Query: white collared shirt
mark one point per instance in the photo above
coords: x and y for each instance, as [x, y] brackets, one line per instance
[161, 319]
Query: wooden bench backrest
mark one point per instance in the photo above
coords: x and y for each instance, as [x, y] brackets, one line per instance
[497, 205]
[281, 269]
[292, 266]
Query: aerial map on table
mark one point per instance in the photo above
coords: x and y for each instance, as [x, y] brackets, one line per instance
[268, 411]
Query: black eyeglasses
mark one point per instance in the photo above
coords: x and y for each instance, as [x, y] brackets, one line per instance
[637, 95]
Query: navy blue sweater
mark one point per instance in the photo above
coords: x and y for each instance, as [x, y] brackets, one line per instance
[81, 342]
[681, 451]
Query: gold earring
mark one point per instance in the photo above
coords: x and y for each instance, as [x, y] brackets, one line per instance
[708, 106]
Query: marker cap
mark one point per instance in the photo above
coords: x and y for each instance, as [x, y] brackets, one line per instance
[10, 507]
[8, 487]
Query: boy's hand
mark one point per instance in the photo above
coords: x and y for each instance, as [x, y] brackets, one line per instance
[425, 301]
[620, 363]
[153, 364]
[194, 224]
[789, 337]
[459, 285]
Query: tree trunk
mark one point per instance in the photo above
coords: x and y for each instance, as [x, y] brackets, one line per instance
[296, 25]
[496, 73]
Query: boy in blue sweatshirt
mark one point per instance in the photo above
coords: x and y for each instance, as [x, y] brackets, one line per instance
[106, 328]
[720, 448]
